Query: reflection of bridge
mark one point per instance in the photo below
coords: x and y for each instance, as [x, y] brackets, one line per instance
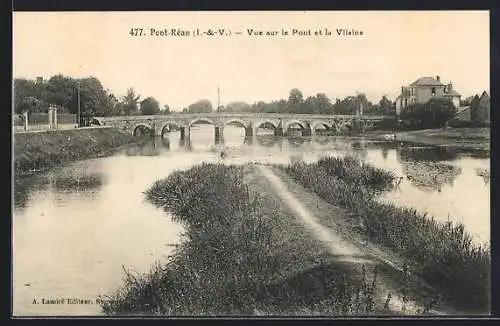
[281, 123]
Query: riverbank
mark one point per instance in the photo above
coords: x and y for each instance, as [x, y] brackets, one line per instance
[244, 253]
[39, 151]
[442, 254]
[471, 138]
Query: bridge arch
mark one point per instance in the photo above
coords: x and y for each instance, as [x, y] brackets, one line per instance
[261, 123]
[201, 119]
[240, 122]
[168, 123]
[320, 123]
[294, 122]
[141, 126]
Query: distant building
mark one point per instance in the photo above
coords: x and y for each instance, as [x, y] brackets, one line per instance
[480, 108]
[424, 89]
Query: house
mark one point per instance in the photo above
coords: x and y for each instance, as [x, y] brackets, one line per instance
[480, 108]
[424, 89]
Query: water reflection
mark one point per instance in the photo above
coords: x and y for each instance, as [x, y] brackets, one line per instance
[419, 152]
[23, 190]
[296, 142]
[62, 180]
[415, 153]
[269, 141]
[359, 149]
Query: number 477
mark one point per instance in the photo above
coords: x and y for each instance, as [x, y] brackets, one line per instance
[136, 31]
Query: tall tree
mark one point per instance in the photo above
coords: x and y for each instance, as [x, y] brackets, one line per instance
[201, 106]
[385, 103]
[238, 107]
[296, 96]
[348, 105]
[166, 109]
[150, 106]
[129, 104]
[323, 104]
[61, 91]
[94, 100]
[23, 89]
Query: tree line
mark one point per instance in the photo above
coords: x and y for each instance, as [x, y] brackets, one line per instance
[318, 104]
[63, 92]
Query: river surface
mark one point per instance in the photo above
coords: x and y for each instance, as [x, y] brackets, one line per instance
[75, 228]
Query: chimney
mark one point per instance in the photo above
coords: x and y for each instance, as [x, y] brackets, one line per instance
[438, 78]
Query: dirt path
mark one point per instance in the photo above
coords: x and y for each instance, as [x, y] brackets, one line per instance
[345, 250]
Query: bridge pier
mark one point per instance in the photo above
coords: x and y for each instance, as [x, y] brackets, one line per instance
[307, 132]
[249, 131]
[185, 134]
[278, 131]
[219, 134]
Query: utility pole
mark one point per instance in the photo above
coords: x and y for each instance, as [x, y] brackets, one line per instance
[218, 99]
[78, 113]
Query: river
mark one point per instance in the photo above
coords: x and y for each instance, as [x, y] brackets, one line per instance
[76, 227]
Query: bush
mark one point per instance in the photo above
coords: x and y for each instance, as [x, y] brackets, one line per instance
[432, 114]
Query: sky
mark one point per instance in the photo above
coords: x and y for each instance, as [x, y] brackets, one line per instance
[396, 48]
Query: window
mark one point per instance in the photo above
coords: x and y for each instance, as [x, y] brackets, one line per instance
[433, 91]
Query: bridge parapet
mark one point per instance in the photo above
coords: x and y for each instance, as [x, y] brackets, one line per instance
[250, 121]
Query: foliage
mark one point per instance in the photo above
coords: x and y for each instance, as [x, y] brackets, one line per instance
[150, 106]
[433, 114]
[442, 254]
[201, 106]
[129, 104]
[296, 98]
[62, 91]
[166, 109]
[30, 104]
[236, 107]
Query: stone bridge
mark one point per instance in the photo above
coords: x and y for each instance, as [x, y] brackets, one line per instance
[281, 123]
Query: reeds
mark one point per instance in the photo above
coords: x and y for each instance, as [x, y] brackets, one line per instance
[442, 253]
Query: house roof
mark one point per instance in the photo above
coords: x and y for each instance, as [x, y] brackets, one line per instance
[426, 81]
[452, 93]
